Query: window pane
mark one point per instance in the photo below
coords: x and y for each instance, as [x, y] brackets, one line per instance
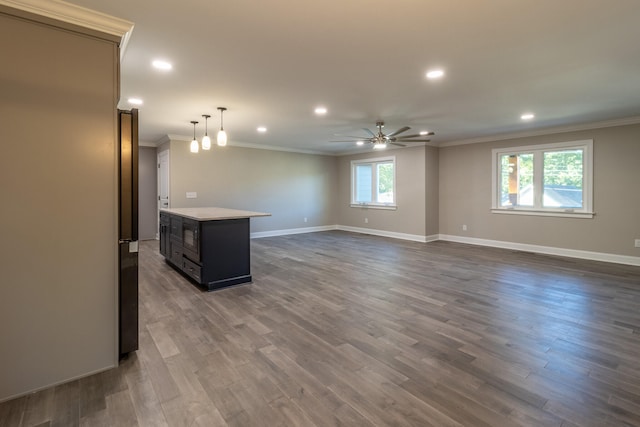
[563, 179]
[384, 186]
[516, 180]
[363, 183]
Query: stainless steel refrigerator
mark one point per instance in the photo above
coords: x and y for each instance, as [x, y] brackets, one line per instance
[128, 231]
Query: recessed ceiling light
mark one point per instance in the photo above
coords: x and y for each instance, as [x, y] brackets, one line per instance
[320, 111]
[424, 132]
[162, 65]
[527, 116]
[135, 101]
[360, 143]
[261, 129]
[435, 74]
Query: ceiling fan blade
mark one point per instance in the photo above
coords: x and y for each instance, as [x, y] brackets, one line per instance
[369, 132]
[412, 140]
[351, 140]
[415, 135]
[395, 143]
[403, 129]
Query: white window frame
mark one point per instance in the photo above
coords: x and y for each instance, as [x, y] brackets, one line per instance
[538, 151]
[373, 161]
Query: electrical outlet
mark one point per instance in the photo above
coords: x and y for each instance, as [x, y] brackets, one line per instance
[192, 195]
[464, 227]
[637, 243]
[305, 219]
[366, 220]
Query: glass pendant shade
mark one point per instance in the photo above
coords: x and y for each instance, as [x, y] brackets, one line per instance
[222, 135]
[206, 142]
[222, 138]
[194, 142]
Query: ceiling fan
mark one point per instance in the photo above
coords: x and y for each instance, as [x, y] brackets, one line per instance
[380, 140]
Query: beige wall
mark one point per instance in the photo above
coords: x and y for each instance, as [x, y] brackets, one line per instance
[148, 193]
[290, 186]
[465, 196]
[414, 215]
[58, 190]
[432, 191]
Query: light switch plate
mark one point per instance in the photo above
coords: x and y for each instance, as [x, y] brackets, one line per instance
[192, 195]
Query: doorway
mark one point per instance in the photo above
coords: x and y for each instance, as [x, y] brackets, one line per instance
[163, 180]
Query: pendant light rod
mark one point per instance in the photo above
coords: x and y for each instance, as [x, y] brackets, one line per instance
[206, 141]
[194, 142]
[222, 135]
[222, 110]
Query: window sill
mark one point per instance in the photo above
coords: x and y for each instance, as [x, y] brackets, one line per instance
[558, 213]
[367, 206]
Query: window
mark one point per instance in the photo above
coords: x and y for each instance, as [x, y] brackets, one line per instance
[373, 183]
[553, 179]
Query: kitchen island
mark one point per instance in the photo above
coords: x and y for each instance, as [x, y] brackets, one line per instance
[209, 245]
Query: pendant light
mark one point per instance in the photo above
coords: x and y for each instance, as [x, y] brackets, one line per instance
[194, 143]
[206, 141]
[222, 135]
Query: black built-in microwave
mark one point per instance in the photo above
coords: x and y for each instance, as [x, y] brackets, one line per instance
[191, 239]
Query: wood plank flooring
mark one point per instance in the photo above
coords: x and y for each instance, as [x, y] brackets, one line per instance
[342, 329]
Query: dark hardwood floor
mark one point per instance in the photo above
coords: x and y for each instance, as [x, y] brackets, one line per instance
[356, 330]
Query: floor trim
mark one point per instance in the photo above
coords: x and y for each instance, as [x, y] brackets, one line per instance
[548, 250]
[285, 232]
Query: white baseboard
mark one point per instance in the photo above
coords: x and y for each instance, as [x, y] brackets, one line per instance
[548, 250]
[374, 232]
[285, 232]
[392, 234]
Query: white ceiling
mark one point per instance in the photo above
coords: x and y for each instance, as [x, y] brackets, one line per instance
[570, 62]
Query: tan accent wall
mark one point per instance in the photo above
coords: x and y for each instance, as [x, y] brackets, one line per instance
[58, 218]
[465, 195]
[416, 197]
[290, 186]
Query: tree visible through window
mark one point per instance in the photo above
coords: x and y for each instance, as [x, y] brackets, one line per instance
[547, 178]
[563, 178]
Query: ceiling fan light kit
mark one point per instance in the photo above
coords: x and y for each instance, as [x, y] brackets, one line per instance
[381, 140]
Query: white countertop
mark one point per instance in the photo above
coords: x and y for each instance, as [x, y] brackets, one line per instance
[212, 213]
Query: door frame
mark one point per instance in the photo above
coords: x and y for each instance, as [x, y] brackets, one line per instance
[161, 155]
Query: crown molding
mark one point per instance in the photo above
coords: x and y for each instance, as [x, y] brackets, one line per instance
[173, 137]
[546, 131]
[76, 15]
[277, 148]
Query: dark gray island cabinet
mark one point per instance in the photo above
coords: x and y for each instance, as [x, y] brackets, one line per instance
[209, 245]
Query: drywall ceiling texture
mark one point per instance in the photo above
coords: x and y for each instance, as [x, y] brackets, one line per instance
[58, 170]
[465, 195]
[290, 186]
